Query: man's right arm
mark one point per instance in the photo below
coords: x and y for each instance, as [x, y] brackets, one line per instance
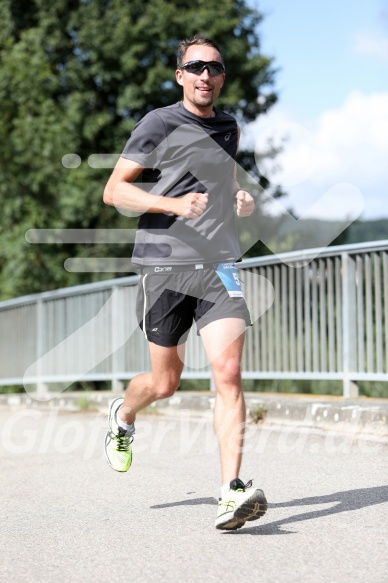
[122, 193]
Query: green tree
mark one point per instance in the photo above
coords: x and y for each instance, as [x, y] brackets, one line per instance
[75, 77]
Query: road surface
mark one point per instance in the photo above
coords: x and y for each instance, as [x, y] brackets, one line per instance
[66, 516]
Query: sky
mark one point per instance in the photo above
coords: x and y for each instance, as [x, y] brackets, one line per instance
[331, 119]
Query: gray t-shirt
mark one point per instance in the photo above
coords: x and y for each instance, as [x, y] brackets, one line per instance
[184, 153]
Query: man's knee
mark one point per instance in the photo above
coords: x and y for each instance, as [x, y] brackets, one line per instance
[166, 385]
[227, 370]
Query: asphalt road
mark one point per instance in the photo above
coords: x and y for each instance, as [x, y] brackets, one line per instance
[66, 516]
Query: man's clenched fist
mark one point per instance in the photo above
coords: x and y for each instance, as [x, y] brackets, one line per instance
[192, 205]
[245, 203]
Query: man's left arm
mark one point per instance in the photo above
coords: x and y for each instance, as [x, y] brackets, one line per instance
[245, 204]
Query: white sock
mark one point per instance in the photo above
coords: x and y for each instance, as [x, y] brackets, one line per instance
[225, 489]
[123, 425]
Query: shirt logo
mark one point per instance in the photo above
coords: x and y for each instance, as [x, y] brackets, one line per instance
[227, 137]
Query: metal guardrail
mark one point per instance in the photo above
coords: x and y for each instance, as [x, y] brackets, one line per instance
[320, 314]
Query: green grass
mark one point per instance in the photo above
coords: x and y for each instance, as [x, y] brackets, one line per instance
[258, 414]
[10, 390]
[366, 389]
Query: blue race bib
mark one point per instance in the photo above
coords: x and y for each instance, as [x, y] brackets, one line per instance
[228, 275]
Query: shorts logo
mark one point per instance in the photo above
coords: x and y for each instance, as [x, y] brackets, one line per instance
[154, 329]
[159, 269]
[227, 137]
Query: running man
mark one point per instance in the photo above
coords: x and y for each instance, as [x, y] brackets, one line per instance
[185, 249]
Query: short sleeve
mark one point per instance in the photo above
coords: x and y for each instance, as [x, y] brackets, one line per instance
[146, 136]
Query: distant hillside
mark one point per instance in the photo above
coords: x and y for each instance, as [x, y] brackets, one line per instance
[363, 231]
[282, 235]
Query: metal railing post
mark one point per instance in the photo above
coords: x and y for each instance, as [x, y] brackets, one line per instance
[349, 325]
[117, 334]
[41, 386]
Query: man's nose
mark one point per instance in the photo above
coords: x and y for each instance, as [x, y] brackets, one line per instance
[205, 73]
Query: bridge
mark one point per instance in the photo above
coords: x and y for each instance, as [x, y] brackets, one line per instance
[319, 314]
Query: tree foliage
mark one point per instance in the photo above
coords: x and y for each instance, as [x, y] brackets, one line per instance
[75, 77]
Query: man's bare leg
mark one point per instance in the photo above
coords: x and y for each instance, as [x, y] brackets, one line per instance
[160, 383]
[223, 341]
[239, 502]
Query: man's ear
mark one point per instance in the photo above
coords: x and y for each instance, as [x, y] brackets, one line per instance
[179, 76]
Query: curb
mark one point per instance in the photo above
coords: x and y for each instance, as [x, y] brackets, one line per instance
[363, 415]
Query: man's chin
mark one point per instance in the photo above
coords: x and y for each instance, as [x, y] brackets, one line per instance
[205, 102]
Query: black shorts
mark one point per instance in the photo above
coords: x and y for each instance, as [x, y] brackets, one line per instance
[168, 302]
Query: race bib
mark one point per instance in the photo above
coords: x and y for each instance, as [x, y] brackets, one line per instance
[228, 275]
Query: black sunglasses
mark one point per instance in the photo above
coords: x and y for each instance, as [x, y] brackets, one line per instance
[197, 67]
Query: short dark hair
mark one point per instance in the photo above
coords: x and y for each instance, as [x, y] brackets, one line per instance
[196, 40]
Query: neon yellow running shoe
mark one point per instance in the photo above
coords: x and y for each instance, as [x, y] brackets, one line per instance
[241, 503]
[118, 448]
